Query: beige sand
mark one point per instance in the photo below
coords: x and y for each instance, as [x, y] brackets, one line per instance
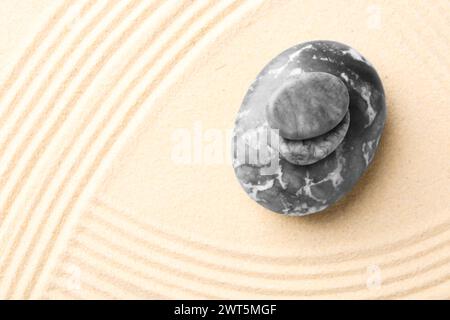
[93, 203]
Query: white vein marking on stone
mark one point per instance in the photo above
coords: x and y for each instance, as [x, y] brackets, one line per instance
[367, 150]
[344, 76]
[279, 174]
[276, 72]
[336, 179]
[253, 190]
[295, 54]
[306, 189]
[365, 94]
[356, 55]
[336, 175]
[304, 209]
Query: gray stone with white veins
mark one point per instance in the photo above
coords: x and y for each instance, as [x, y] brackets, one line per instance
[309, 151]
[291, 189]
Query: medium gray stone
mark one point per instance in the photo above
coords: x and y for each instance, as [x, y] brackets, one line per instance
[291, 189]
[309, 151]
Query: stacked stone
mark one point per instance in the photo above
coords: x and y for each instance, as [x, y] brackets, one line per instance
[324, 106]
[310, 113]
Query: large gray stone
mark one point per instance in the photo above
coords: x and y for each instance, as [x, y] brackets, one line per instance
[282, 186]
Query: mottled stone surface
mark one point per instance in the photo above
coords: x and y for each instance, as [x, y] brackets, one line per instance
[292, 189]
[309, 151]
[307, 105]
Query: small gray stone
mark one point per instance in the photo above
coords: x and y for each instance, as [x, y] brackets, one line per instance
[308, 105]
[291, 189]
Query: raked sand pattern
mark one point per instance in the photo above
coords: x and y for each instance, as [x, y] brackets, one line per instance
[93, 205]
